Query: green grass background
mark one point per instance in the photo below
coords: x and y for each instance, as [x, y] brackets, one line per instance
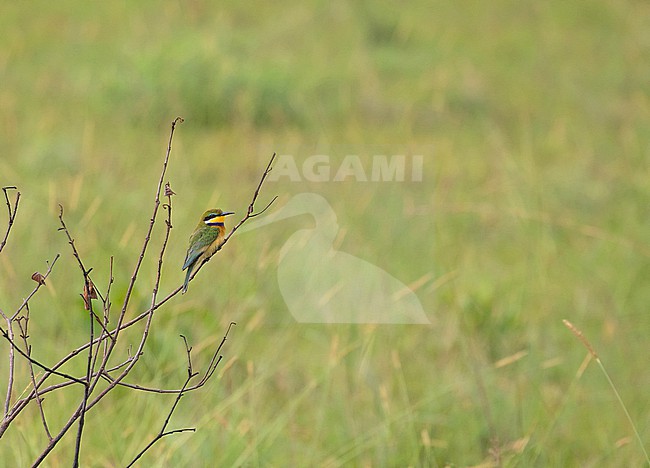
[534, 119]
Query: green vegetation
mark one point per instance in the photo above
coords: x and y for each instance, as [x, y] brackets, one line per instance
[534, 120]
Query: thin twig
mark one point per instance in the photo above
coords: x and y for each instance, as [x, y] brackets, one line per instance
[50, 266]
[67, 383]
[249, 214]
[107, 308]
[12, 210]
[97, 368]
[162, 433]
[124, 325]
[12, 362]
[39, 401]
[12, 213]
[145, 332]
[87, 405]
[152, 221]
[118, 328]
[251, 208]
[212, 366]
[9, 415]
[188, 350]
[55, 440]
[88, 287]
[87, 389]
[51, 370]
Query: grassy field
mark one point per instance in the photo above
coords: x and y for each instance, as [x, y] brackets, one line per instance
[534, 122]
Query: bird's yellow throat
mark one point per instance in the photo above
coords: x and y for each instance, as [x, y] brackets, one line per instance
[217, 221]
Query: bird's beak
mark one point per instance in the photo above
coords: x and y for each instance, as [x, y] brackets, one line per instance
[227, 213]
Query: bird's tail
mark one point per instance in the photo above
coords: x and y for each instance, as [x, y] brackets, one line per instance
[187, 280]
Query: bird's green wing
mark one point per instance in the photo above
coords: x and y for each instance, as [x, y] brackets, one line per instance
[199, 242]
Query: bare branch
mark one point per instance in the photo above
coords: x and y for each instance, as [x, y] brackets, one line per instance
[163, 433]
[85, 406]
[107, 309]
[145, 333]
[55, 440]
[5, 333]
[212, 366]
[37, 287]
[88, 294]
[12, 362]
[188, 350]
[249, 214]
[101, 345]
[251, 208]
[13, 210]
[24, 325]
[152, 222]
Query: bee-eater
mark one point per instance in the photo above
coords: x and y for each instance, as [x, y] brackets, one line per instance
[204, 241]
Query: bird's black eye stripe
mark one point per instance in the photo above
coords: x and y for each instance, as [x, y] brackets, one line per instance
[210, 216]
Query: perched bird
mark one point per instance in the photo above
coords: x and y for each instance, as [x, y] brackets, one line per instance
[204, 241]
